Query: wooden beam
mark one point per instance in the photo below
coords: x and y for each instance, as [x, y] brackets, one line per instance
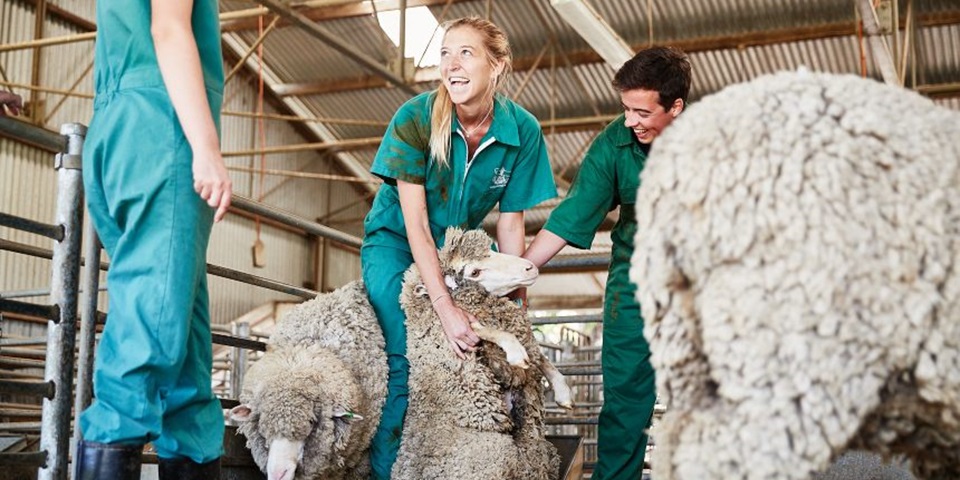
[248, 21]
[587, 56]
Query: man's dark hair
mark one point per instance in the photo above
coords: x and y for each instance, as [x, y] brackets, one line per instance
[664, 69]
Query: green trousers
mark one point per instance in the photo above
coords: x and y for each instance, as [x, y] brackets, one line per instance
[383, 269]
[629, 387]
[153, 364]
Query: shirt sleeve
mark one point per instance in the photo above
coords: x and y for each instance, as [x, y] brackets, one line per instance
[532, 179]
[404, 150]
[591, 196]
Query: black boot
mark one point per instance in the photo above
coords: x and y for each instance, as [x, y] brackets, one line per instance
[186, 469]
[107, 461]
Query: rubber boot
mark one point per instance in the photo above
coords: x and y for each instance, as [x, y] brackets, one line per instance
[107, 461]
[186, 469]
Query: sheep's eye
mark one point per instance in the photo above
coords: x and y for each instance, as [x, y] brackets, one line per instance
[475, 273]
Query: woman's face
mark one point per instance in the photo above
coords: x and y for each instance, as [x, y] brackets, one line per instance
[465, 68]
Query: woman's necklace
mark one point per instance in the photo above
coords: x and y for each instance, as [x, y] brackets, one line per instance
[470, 131]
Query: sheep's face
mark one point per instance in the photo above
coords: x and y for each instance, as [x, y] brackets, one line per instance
[301, 406]
[467, 256]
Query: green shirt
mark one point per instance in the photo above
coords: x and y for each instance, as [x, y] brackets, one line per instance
[124, 55]
[510, 167]
[609, 177]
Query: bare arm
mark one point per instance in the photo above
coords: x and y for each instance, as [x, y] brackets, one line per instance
[455, 322]
[543, 247]
[511, 239]
[179, 61]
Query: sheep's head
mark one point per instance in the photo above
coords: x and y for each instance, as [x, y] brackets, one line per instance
[297, 399]
[466, 255]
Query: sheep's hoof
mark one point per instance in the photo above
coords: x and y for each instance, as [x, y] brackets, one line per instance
[563, 396]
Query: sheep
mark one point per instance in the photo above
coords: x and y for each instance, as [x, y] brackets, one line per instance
[796, 262]
[481, 418]
[311, 405]
[315, 398]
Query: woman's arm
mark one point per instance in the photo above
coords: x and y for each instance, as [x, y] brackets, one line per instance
[179, 61]
[455, 322]
[511, 239]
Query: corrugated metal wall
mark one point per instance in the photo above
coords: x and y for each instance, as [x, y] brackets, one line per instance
[28, 181]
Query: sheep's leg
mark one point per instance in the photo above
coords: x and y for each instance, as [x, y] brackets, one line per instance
[561, 391]
[516, 354]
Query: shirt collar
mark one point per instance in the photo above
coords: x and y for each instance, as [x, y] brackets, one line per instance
[504, 127]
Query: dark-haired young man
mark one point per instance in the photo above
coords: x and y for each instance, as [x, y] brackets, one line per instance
[653, 88]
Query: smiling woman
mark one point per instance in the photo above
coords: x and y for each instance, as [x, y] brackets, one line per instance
[447, 159]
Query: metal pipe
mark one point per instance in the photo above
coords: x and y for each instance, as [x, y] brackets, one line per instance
[39, 292]
[238, 365]
[32, 135]
[54, 232]
[61, 333]
[336, 43]
[260, 281]
[591, 318]
[88, 326]
[48, 312]
[314, 228]
[211, 269]
[17, 387]
[577, 263]
[221, 339]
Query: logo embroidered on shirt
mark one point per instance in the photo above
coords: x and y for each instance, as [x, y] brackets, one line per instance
[500, 178]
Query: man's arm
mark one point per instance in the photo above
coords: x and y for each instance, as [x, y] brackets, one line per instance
[544, 246]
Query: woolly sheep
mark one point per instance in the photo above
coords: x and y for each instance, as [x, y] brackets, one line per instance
[315, 397]
[796, 263]
[481, 418]
[311, 405]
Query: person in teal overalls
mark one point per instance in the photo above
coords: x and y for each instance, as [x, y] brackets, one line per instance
[447, 158]
[155, 182]
[653, 88]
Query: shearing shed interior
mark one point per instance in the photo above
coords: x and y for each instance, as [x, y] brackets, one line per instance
[310, 87]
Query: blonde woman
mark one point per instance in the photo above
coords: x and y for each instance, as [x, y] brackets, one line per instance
[448, 157]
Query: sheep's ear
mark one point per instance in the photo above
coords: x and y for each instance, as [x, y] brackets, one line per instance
[420, 290]
[240, 413]
[450, 281]
[339, 412]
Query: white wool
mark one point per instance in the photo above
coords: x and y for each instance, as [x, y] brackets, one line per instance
[795, 259]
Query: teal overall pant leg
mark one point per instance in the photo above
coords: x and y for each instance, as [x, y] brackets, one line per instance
[153, 363]
[629, 388]
[383, 269]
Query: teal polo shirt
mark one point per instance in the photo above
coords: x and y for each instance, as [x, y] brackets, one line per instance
[509, 168]
[609, 177]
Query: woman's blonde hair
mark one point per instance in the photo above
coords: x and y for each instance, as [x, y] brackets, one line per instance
[497, 49]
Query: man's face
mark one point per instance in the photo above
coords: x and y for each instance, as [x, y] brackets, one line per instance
[644, 114]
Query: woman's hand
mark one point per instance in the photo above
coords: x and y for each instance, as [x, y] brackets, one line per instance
[212, 183]
[456, 326]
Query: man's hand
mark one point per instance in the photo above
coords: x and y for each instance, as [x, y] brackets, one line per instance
[211, 181]
[10, 101]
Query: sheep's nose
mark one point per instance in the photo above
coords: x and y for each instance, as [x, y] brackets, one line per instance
[531, 269]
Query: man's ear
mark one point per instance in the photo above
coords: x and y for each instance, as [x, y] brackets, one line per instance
[677, 107]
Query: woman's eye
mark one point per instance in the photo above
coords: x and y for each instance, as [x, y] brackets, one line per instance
[466, 53]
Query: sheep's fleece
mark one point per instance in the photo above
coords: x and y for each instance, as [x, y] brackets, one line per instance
[477, 419]
[796, 262]
[326, 357]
